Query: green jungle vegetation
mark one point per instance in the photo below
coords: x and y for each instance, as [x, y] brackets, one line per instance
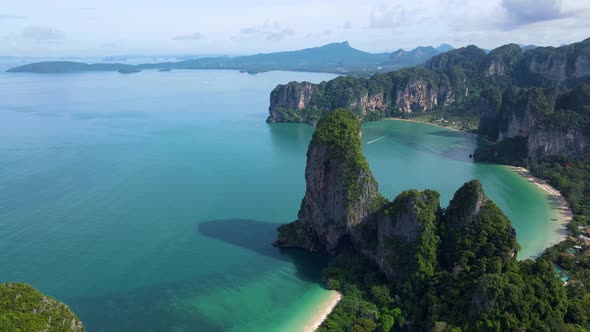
[25, 309]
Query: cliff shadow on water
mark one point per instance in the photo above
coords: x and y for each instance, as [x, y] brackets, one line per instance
[257, 236]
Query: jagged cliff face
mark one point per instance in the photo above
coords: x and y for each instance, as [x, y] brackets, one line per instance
[293, 95]
[582, 67]
[341, 192]
[400, 228]
[569, 142]
[372, 103]
[551, 67]
[541, 118]
[502, 59]
[420, 96]
[497, 67]
[518, 118]
[407, 238]
[326, 215]
[489, 104]
[561, 63]
[306, 102]
[446, 79]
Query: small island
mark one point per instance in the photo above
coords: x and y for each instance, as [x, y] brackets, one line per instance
[411, 264]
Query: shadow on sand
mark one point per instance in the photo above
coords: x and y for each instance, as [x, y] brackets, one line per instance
[257, 236]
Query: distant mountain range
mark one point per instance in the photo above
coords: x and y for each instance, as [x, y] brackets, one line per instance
[332, 58]
[534, 103]
[417, 56]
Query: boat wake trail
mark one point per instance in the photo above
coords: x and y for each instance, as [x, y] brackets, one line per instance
[375, 140]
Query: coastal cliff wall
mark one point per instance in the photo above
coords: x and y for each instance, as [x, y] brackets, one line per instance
[450, 82]
[437, 267]
[567, 142]
[549, 121]
[404, 91]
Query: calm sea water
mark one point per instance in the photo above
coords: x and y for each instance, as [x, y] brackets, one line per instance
[148, 202]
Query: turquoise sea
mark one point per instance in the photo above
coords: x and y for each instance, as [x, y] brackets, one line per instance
[148, 202]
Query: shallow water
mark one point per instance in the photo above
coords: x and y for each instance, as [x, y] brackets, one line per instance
[149, 201]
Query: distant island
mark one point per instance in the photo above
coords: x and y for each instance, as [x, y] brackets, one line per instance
[57, 67]
[128, 70]
[331, 58]
[409, 264]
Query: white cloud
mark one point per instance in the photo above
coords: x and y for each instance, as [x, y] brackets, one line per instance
[269, 31]
[155, 27]
[522, 12]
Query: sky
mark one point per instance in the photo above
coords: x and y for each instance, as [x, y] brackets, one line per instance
[44, 28]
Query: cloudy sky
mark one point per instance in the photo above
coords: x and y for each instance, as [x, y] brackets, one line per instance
[111, 27]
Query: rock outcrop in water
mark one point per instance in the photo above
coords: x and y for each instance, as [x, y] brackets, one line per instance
[23, 308]
[444, 268]
[341, 192]
[343, 209]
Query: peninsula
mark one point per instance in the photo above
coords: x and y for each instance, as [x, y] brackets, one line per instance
[409, 263]
[338, 58]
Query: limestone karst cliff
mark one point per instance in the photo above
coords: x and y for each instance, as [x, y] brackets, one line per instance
[433, 268]
[451, 78]
[510, 91]
[407, 90]
[548, 121]
[342, 209]
[341, 192]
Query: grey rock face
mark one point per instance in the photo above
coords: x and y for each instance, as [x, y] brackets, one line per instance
[582, 67]
[418, 95]
[552, 67]
[398, 227]
[325, 215]
[542, 143]
[293, 95]
[415, 95]
[522, 119]
[519, 120]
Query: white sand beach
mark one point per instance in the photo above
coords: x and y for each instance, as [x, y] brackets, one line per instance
[565, 214]
[316, 320]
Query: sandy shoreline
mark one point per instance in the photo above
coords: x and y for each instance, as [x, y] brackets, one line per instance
[558, 202]
[428, 123]
[319, 316]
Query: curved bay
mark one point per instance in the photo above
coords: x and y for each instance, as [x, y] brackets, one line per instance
[149, 201]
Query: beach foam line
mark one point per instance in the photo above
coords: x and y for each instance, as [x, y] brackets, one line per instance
[323, 312]
[375, 140]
